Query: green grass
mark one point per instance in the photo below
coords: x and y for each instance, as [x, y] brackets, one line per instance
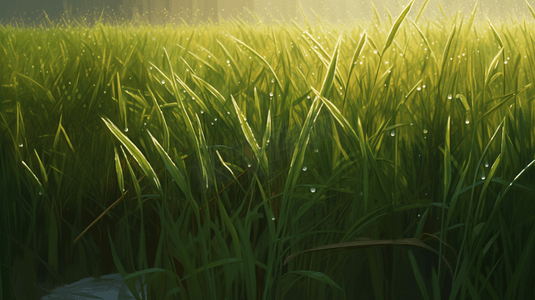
[205, 156]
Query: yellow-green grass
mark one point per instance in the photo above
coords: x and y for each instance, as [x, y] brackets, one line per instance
[207, 155]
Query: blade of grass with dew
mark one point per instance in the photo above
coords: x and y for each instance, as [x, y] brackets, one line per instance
[481, 203]
[118, 170]
[210, 89]
[495, 33]
[161, 118]
[396, 26]
[478, 166]
[249, 136]
[422, 35]
[179, 178]
[42, 169]
[492, 66]
[184, 86]
[265, 63]
[134, 151]
[206, 163]
[445, 54]
[359, 141]
[34, 178]
[447, 183]
[122, 102]
[298, 155]
[233, 62]
[257, 105]
[47, 92]
[196, 137]
[468, 27]
[140, 99]
[142, 259]
[62, 130]
[356, 55]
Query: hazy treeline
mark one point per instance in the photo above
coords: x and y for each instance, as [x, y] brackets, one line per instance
[214, 11]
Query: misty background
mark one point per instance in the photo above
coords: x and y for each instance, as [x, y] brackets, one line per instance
[160, 12]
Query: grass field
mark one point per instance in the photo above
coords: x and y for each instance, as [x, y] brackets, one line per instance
[391, 159]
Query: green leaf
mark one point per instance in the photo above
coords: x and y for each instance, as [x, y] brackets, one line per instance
[396, 26]
[317, 276]
[134, 151]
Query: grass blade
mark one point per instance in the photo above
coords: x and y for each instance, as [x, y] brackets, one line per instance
[396, 26]
[136, 153]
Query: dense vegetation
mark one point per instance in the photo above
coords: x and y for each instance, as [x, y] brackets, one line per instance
[207, 155]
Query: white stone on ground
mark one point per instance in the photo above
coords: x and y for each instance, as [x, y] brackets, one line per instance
[108, 287]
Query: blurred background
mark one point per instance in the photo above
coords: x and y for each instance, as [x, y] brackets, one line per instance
[160, 12]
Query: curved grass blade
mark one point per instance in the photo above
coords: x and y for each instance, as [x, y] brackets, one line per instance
[266, 64]
[136, 153]
[364, 243]
[249, 136]
[530, 9]
[496, 34]
[176, 174]
[118, 170]
[161, 118]
[42, 168]
[319, 276]
[396, 26]
[419, 279]
[421, 11]
[356, 55]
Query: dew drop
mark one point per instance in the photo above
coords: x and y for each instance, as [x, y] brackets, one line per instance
[202, 112]
[486, 164]
[312, 189]
[449, 97]
[273, 219]
[316, 150]
[483, 177]
[228, 112]
[249, 165]
[40, 192]
[425, 131]
[21, 145]
[271, 94]
[163, 81]
[393, 133]
[467, 121]
[305, 168]
[418, 88]
[126, 129]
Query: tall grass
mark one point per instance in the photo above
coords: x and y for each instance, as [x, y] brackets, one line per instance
[203, 157]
